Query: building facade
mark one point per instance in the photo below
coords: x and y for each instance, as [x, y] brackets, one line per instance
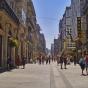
[18, 32]
[52, 50]
[79, 32]
[56, 47]
[9, 24]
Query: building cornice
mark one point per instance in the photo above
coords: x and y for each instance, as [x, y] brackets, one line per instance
[4, 6]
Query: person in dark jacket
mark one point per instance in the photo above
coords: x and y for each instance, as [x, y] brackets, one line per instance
[86, 63]
[9, 63]
[65, 62]
[23, 62]
[61, 62]
[82, 64]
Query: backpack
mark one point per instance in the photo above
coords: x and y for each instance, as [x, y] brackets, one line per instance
[81, 61]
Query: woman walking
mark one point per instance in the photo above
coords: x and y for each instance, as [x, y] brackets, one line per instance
[82, 64]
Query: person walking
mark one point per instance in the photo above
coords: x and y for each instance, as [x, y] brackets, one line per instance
[86, 62]
[61, 61]
[43, 59]
[49, 58]
[65, 62]
[9, 63]
[58, 60]
[23, 62]
[40, 59]
[82, 64]
[75, 60]
[17, 61]
[46, 60]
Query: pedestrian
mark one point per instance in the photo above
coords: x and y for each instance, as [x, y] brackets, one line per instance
[23, 62]
[17, 61]
[49, 59]
[61, 61]
[82, 64]
[75, 60]
[43, 59]
[58, 60]
[86, 60]
[65, 61]
[46, 60]
[40, 59]
[9, 63]
[52, 58]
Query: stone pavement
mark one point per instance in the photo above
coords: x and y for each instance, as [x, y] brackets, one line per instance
[44, 76]
[70, 77]
[34, 76]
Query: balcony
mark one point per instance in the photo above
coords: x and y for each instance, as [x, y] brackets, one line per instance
[4, 6]
[29, 20]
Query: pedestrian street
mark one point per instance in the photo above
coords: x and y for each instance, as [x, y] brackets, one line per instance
[44, 76]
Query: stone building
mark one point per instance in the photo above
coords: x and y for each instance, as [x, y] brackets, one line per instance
[56, 47]
[17, 24]
[42, 44]
[8, 31]
[52, 50]
[61, 35]
[85, 14]
[32, 30]
[77, 12]
[66, 42]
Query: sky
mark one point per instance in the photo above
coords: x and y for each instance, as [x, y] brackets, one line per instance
[48, 14]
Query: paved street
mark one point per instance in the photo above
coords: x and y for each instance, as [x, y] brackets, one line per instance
[44, 76]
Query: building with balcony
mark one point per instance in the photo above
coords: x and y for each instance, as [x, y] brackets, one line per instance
[17, 29]
[77, 11]
[32, 29]
[66, 42]
[9, 24]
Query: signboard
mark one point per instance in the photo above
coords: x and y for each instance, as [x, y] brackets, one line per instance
[79, 27]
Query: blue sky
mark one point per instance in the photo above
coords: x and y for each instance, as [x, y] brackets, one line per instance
[48, 13]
